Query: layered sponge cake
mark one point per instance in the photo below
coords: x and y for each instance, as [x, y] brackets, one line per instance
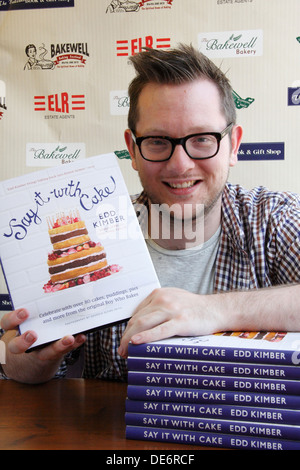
[75, 259]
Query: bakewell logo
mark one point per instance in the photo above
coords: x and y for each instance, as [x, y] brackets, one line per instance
[133, 6]
[66, 55]
[156, 4]
[119, 103]
[51, 154]
[126, 47]
[231, 43]
[70, 54]
[59, 102]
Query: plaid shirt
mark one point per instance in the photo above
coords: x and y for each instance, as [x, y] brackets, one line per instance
[259, 247]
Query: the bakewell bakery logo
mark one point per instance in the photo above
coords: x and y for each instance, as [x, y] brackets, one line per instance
[134, 6]
[60, 105]
[70, 54]
[119, 103]
[128, 47]
[231, 43]
[3, 106]
[53, 154]
[59, 56]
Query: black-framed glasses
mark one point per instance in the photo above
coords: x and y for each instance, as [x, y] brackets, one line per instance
[197, 146]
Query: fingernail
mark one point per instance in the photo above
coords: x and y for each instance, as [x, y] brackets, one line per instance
[67, 340]
[81, 338]
[21, 314]
[29, 338]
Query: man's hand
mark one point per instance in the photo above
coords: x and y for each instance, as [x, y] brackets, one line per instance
[168, 312]
[43, 361]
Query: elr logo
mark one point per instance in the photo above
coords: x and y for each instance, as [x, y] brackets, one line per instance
[59, 103]
[128, 47]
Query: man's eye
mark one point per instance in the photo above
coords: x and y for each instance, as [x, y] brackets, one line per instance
[202, 140]
[156, 142]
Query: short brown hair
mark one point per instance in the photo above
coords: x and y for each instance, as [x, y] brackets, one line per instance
[176, 66]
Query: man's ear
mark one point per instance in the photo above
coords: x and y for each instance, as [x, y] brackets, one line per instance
[236, 138]
[130, 146]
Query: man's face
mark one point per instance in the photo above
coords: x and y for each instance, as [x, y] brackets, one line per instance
[176, 111]
[31, 52]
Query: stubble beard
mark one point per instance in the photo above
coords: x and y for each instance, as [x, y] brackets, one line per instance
[184, 222]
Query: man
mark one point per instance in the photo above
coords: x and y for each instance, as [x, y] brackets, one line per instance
[183, 139]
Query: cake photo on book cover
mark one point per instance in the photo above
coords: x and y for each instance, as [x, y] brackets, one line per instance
[75, 259]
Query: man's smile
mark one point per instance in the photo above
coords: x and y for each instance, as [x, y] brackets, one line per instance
[185, 184]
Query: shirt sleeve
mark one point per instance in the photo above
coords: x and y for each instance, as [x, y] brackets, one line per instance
[284, 243]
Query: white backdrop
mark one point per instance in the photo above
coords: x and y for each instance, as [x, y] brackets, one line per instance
[64, 74]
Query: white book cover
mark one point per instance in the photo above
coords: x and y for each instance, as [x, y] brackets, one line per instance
[71, 248]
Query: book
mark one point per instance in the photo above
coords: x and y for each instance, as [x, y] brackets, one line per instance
[181, 366]
[213, 382]
[215, 411]
[193, 395]
[231, 390]
[265, 348]
[71, 248]
[245, 428]
[209, 439]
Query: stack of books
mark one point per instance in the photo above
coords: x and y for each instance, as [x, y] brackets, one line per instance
[229, 390]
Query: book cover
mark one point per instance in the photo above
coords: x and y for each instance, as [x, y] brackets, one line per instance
[209, 439]
[231, 389]
[248, 347]
[202, 396]
[215, 411]
[215, 382]
[242, 428]
[232, 369]
[71, 248]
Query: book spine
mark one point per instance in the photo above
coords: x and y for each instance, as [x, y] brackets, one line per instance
[181, 366]
[141, 392]
[208, 439]
[290, 387]
[188, 423]
[224, 412]
[206, 352]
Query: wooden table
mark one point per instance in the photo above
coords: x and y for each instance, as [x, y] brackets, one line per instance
[68, 414]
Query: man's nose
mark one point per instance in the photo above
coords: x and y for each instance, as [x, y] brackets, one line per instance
[180, 161]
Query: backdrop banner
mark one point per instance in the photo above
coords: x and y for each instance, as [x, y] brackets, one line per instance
[65, 71]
